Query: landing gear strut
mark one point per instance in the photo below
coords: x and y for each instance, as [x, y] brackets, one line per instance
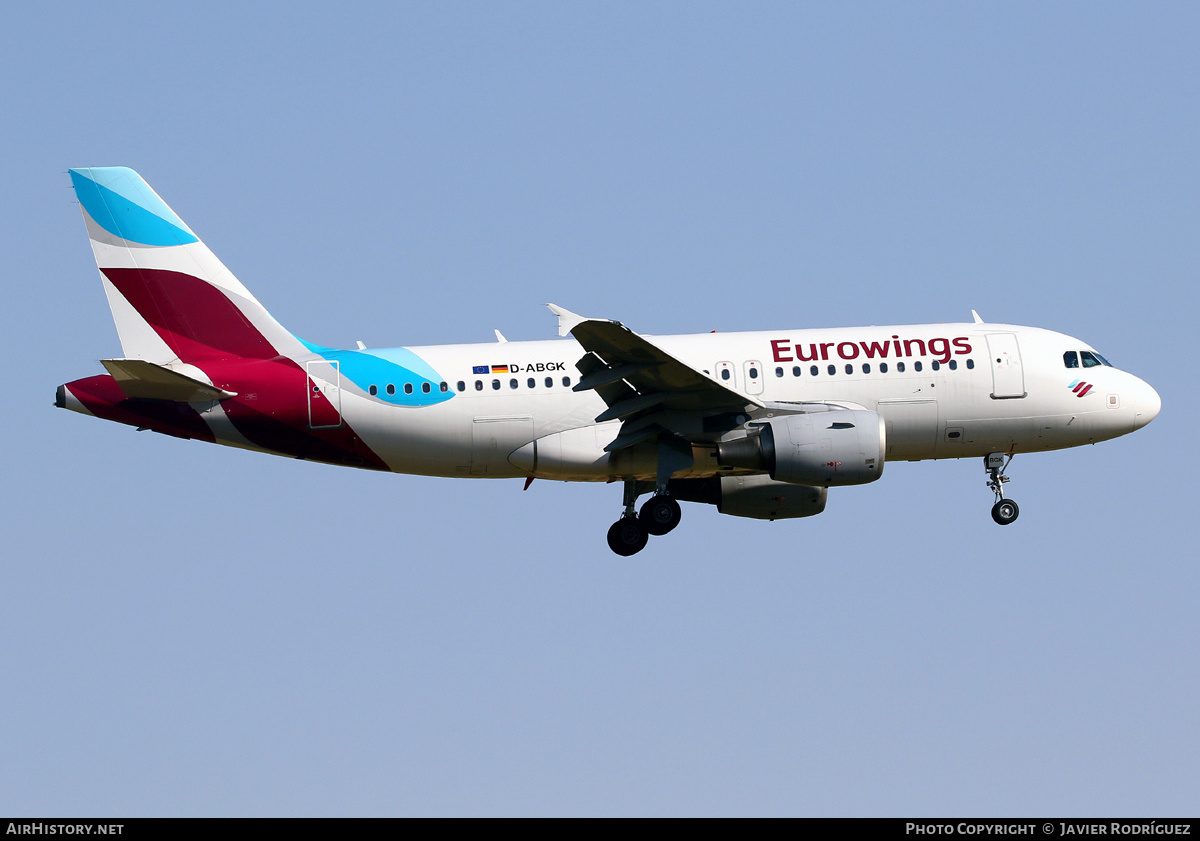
[1004, 511]
[661, 513]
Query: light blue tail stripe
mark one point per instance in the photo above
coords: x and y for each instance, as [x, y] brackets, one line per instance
[120, 202]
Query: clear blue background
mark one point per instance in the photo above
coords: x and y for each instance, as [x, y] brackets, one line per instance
[193, 630]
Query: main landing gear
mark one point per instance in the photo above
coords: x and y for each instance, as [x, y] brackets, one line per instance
[1004, 511]
[661, 513]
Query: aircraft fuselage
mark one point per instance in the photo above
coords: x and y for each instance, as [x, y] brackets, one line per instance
[939, 388]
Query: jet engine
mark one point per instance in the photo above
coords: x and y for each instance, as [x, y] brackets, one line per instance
[827, 449]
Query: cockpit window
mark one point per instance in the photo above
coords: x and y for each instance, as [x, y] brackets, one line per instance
[1090, 360]
[1071, 359]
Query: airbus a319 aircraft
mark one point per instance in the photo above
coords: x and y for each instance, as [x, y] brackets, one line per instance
[758, 424]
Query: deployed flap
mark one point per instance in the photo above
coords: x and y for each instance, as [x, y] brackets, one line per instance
[142, 379]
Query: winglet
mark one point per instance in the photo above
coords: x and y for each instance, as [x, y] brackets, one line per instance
[566, 319]
[975, 316]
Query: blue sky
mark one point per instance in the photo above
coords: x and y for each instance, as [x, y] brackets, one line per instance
[192, 630]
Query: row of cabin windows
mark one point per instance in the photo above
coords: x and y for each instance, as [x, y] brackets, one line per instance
[390, 388]
[815, 370]
[514, 383]
[461, 386]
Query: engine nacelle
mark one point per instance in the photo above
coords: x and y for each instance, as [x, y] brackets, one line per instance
[757, 496]
[838, 447]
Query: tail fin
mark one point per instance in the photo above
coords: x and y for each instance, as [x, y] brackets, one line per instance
[171, 298]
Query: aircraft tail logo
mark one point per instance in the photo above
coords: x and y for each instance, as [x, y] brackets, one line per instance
[171, 298]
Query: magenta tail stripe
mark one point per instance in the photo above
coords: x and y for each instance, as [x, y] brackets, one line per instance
[194, 318]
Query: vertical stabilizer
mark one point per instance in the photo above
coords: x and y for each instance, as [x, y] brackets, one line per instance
[171, 298]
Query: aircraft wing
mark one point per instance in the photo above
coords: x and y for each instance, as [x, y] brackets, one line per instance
[643, 385]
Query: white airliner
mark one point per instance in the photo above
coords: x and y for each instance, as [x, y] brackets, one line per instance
[758, 424]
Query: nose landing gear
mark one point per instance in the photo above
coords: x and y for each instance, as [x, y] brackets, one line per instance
[1004, 511]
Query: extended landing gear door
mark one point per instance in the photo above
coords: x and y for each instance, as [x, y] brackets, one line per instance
[1008, 377]
[324, 394]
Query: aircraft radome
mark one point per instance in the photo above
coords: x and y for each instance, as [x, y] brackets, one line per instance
[758, 424]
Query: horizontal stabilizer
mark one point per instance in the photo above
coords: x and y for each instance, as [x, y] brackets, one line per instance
[141, 379]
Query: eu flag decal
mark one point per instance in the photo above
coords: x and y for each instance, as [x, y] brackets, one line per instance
[481, 369]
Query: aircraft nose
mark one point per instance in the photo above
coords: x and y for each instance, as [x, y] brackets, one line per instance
[1147, 404]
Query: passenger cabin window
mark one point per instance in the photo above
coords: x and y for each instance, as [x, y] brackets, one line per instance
[567, 381]
[408, 388]
[795, 370]
[1071, 359]
[479, 385]
[779, 372]
[814, 370]
[391, 389]
[444, 387]
[936, 365]
[725, 374]
[900, 367]
[866, 368]
[849, 369]
[832, 370]
[953, 363]
[532, 383]
[917, 365]
[495, 385]
[883, 367]
[461, 386]
[970, 363]
[549, 382]
[512, 383]
[373, 390]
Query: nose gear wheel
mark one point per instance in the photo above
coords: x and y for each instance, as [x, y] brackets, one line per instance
[1005, 511]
